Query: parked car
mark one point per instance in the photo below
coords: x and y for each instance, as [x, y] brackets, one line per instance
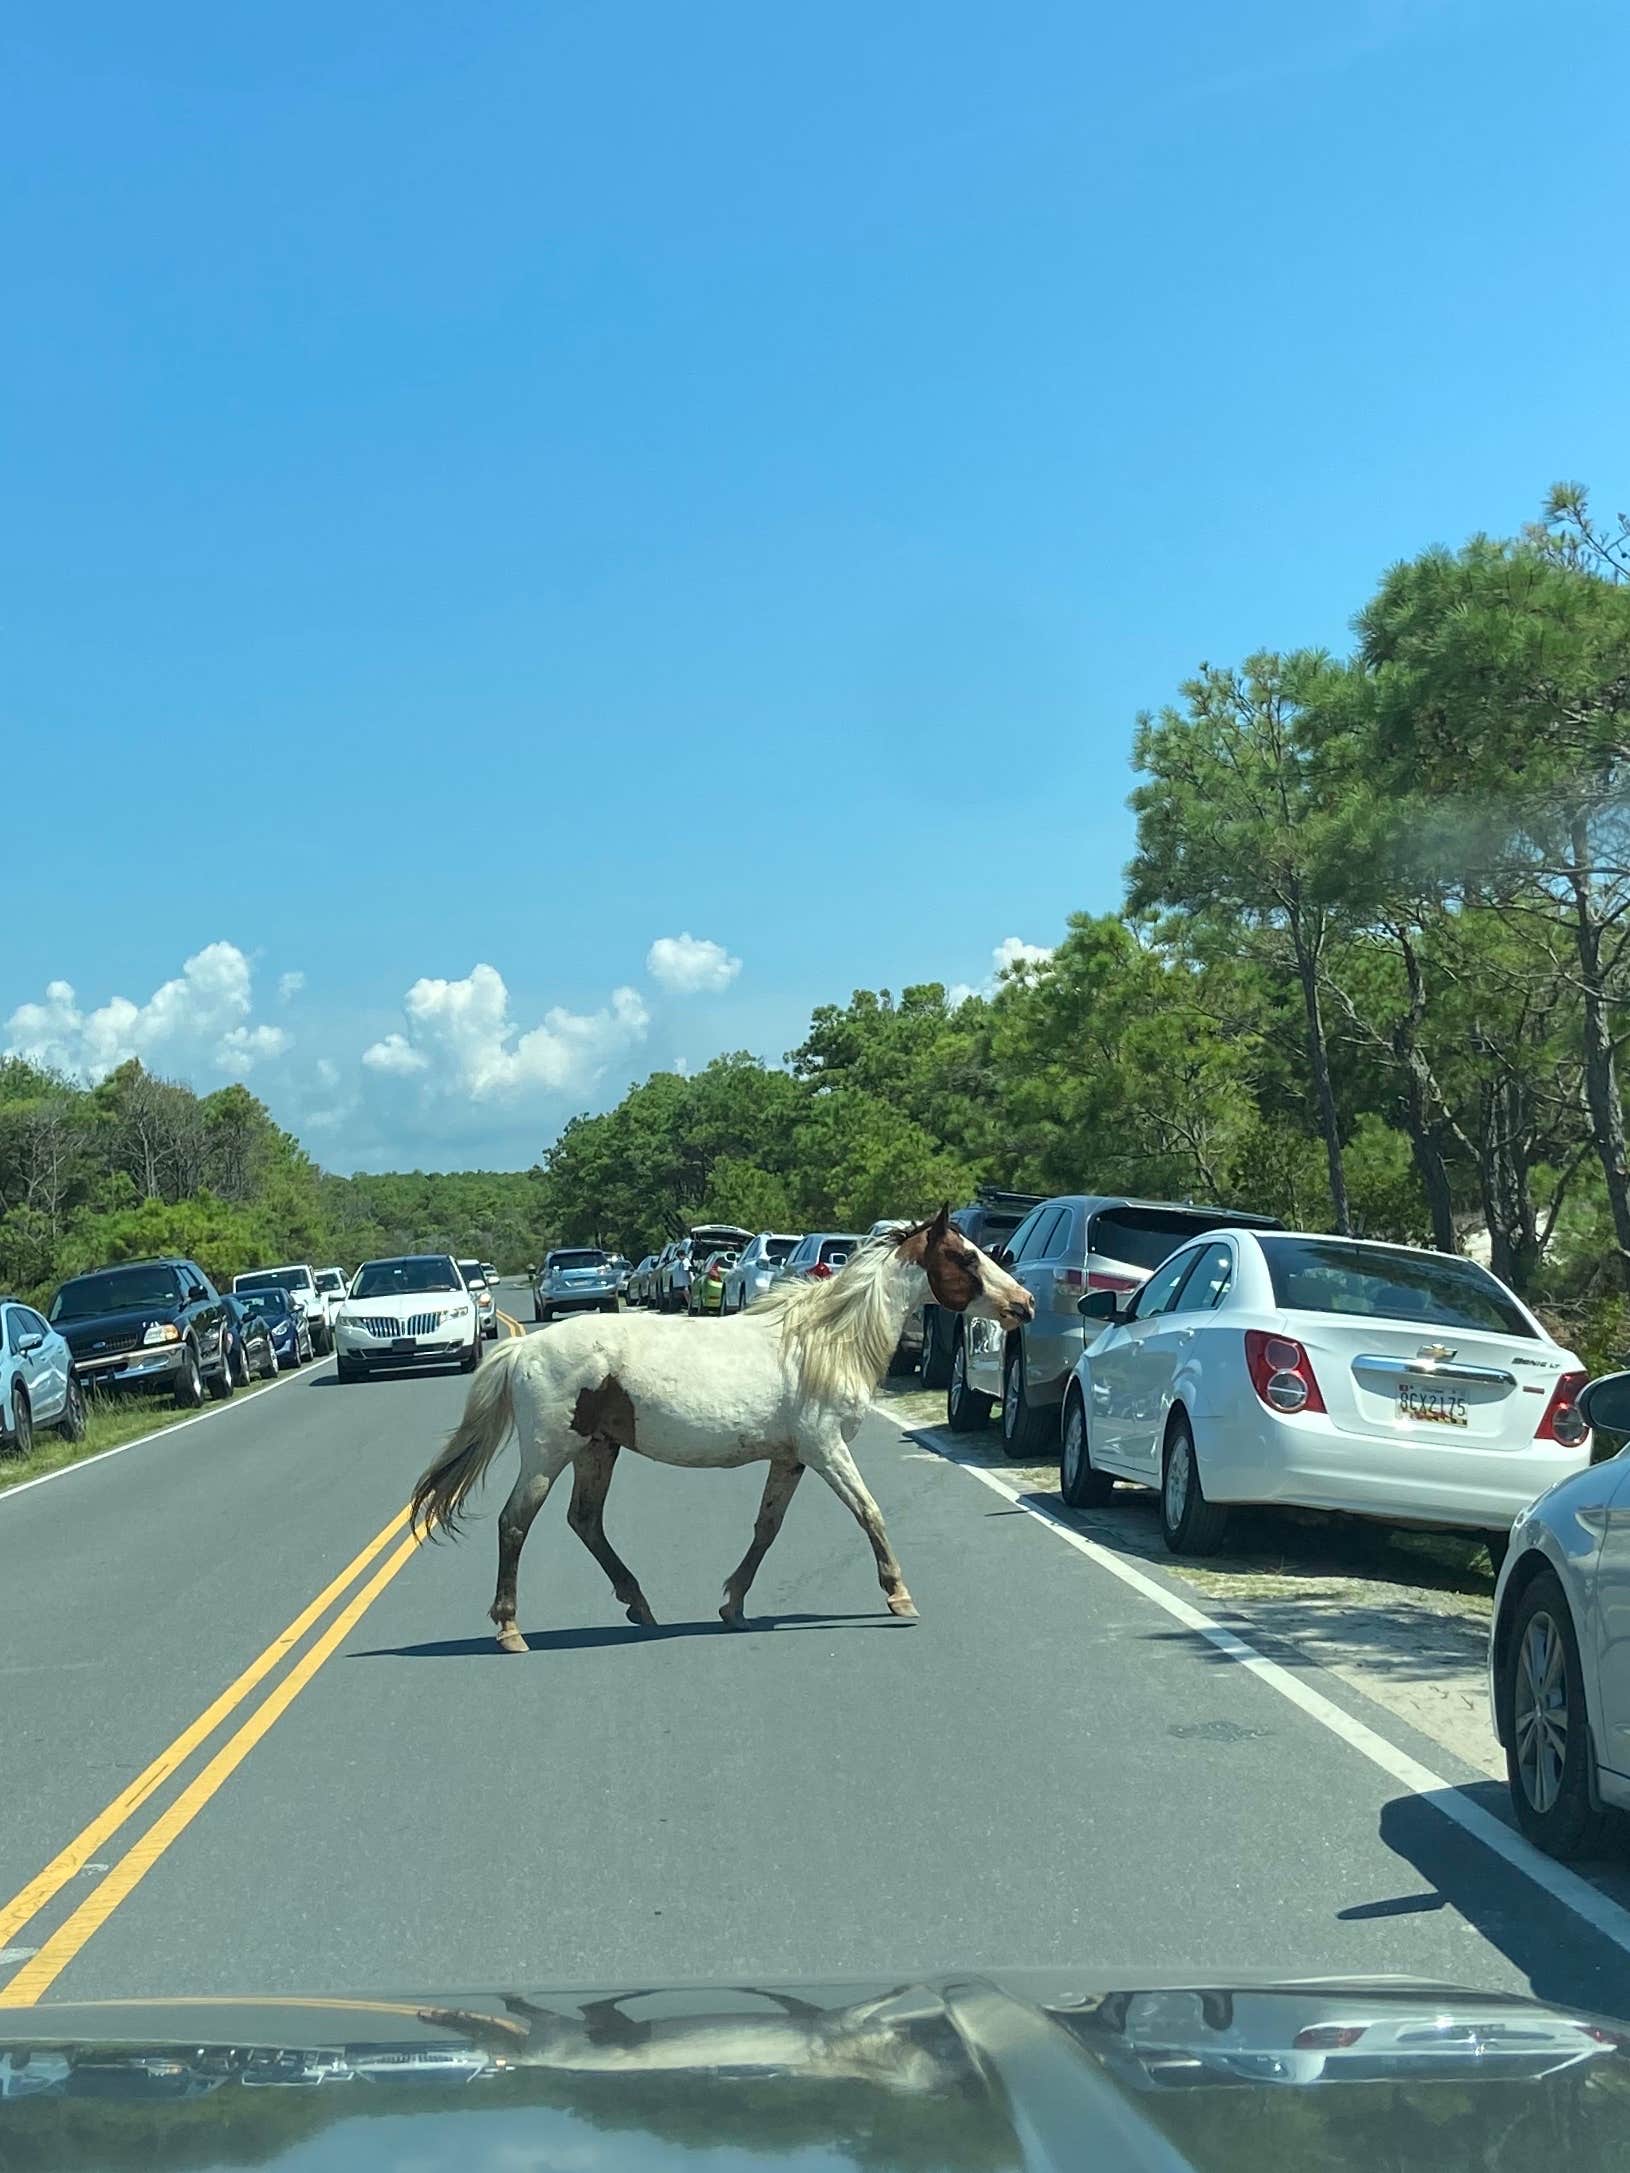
[674, 1271]
[752, 1271]
[989, 1220]
[331, 1289]
[1323, 1373]
[490, 1277]
[1559, 1649]
[301, 1285]
[818, 1255]
[147, 1324]
[1062, 1249]
[254, 1350]
[707, 1283]
[285, 1326]
[623, 1271]
[485, 1296]
[411, 1310]
[38, 1384]
[639, 1283]
[909, 1350]
[574, 1279]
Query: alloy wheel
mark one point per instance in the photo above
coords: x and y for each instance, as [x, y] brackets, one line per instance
[1540, 1711]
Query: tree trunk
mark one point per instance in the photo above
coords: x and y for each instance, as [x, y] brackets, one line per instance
[1602, 1097]
[1324, 1095]
[1425, 1116]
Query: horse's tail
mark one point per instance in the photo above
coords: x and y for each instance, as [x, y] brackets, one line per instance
[489, 1411]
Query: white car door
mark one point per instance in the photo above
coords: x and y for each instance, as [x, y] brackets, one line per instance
[1604, 1625]
[1121, 1370]
[1157, 1339]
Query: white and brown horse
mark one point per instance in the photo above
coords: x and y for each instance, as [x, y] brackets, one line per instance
[787, 1382]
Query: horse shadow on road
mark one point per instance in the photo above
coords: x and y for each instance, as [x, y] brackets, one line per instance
[587, 1638]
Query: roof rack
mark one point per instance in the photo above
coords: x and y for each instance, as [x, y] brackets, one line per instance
[994, 1196]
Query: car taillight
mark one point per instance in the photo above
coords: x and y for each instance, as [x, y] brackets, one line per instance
[1327, 2036]
[820, 1270]
[1098, 1280]
[1563, 1422]
[1071, 1279]
[1281, 1372]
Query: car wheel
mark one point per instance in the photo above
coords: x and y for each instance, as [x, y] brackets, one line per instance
[901, 1362]
[71, 1425]
[936, 1351]
[22, 1422]
[1024, 1428]
[1190, 1523]
[966, 1409]
[239, 1358]
[268, 1371]
[1546, 1728]
[471, 1358]
[1082, 1486]
[347, 1369]
[223, 1382]
[189, 1382]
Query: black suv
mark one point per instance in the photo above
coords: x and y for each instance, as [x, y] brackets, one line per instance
[151, 1324]
[989, 1221]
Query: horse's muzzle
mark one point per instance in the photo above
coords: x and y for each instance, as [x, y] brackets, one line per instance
[1014, 1312]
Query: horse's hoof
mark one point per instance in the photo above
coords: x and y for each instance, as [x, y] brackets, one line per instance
[903, 1611]
[642, 1614]
[511, 1641]
[732, 1618]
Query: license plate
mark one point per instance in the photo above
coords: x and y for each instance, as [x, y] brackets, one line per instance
[1431, 1406]
[403, 1343]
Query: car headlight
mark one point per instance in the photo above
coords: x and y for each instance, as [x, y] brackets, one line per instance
[163, 1331]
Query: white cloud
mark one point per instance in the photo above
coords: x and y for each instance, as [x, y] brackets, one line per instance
[207, 1000]
[681, 1064]
[328, 1072]
[959, 992]
[240, 1050]
[461, 1034]
[289, 985]
[1014, 951]
[688, 965]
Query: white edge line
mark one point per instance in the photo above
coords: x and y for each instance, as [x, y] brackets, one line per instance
[1576, 1894]
[159, 1433]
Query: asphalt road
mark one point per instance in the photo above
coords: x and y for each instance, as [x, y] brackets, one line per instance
[1047, 1769]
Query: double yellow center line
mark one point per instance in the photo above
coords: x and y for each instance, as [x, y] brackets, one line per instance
[43, 1968]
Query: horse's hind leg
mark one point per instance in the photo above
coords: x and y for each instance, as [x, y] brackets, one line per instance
[842, 1474]
[526, 1497]
[586, 1516]
[779, 1489]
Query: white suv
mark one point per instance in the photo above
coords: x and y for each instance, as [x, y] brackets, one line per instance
[304, 1295]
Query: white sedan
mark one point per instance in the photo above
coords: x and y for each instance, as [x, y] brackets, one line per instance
[1559, 1653]
[410, 1311]
[1324, 1373]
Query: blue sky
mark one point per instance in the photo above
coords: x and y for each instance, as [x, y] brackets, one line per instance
[493, 488]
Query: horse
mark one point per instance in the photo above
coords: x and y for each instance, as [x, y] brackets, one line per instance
[787, 1382]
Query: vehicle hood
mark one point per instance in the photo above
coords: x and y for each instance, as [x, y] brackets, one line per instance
[407, 1302]
[83, 1336]
[1022, 2071]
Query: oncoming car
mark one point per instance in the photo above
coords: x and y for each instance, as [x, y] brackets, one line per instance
[486, 1298]
[1320, 1373]
[412, 1310]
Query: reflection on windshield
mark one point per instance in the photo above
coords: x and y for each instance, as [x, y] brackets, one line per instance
[390, 1278]
[275, 1279]
[117, 1290]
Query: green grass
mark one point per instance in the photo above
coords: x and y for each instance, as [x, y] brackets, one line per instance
[110, 1420]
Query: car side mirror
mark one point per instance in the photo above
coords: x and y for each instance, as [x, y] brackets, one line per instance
[29, 1343]
[1605, 1403]
[1002, 1257]
[195, 1293]
[1104, 1305]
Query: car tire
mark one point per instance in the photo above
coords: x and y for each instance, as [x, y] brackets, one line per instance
[1550, 1783]
[471, 1358]
[71, 1425]
[901, 1363]
[268, 1372]
[347, 1369]
[189, 1382]
[222, 1384]
[1080, 1483]
[1025, 1430]
[1498, 1545]
[22, 1421]
[322, 1341]
[1188, 1522]
[966, 1409]
[238, 1360]
[936, 1361]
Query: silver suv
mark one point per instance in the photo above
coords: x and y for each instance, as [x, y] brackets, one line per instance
[575, 1279]
[1061, 1250]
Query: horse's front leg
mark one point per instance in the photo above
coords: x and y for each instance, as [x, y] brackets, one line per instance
[842, 1474]
[779, 1488]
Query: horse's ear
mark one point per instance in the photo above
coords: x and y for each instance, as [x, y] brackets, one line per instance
[940, 1224]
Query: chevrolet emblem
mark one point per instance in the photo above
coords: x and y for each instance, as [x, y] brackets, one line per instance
[1437, 1351]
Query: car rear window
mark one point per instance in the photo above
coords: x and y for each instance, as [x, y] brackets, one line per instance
[835, 1250]
[1144, 1236]
[274, 1279]
[1332, 1275]
[780, 1248]
[577, 1260]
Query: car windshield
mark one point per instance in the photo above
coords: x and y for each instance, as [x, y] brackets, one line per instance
[275, 1279]
[1327, 1275]
[330, 1279]
[413, 1272]
[116, 1290]
[472, 1271]
[560, 1261]
[1141, 1237]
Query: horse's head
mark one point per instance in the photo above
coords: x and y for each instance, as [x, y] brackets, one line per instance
[961, 1277]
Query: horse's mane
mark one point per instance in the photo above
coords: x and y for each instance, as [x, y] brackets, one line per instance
[841, 1332]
